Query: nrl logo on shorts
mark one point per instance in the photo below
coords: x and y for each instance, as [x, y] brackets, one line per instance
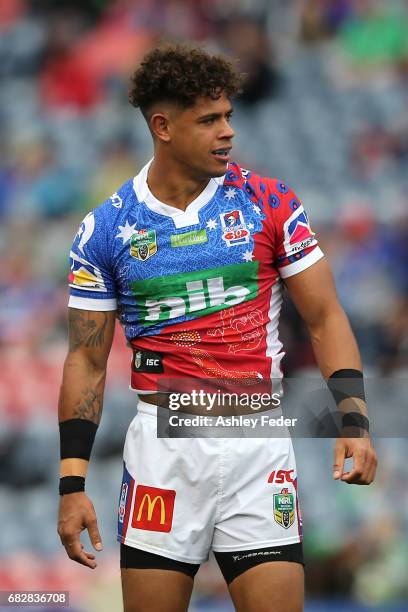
[143, 244]
[284, 508]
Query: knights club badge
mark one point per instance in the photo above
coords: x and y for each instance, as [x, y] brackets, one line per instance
[234, 229]
[143, 244]
[284, 508]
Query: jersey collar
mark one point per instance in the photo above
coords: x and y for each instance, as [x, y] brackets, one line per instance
[181, 218]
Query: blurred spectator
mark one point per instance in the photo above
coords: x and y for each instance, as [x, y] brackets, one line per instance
[10, 12]
[246, 40]
[66, 81]
[321, 19]
[363, 265]
[374, 148]
[377, 33]
[41, 186]
[118, 163]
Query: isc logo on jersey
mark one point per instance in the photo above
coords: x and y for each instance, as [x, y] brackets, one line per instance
[195, 293]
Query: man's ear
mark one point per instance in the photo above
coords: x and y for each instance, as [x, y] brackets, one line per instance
[159, 125]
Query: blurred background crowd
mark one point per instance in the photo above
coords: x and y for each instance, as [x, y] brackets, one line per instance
[324, 109]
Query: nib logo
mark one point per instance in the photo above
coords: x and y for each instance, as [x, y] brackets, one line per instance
[195, 293]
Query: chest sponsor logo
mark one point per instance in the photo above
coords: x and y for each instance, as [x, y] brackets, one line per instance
[143, 244]
[153, 510]
[196, 293]
[234, 229]
[284, 508]
[147, 361]
[188, 238]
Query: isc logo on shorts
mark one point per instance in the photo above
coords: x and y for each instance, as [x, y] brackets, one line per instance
[153, 509]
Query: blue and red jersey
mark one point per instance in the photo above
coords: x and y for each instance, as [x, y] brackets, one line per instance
[198, 292]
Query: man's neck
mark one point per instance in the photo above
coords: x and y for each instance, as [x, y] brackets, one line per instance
[177, 189]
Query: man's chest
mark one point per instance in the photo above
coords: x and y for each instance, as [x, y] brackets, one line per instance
[229, 233]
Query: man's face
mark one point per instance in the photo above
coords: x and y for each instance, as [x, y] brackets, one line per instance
[201, 137]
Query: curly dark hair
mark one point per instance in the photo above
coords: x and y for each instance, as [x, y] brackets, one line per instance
[181, 74]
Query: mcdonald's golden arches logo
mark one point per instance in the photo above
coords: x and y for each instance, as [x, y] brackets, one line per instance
[153, 509]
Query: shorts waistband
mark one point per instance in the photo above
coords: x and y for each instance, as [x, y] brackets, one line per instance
[146, 408]
[153, 410]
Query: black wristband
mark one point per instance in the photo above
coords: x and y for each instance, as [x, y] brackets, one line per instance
[71, 484]
[76, 438]
[346, 384]
[355, 419]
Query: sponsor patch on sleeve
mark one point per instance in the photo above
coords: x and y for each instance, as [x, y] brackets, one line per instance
[85, 275]
[297, 233]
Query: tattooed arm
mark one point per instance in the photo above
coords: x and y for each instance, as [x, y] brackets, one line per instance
[81, 397]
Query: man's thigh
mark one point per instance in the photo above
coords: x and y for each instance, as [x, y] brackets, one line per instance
[152, 582]
[151, 590]
[276, 586]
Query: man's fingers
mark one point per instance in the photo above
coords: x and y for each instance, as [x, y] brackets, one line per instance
[76, 515]
[339, 457]
[366, 474]
[94, 534]
[373, 465]
[89, 555]
[75, 551]
[364, 460]
[359, 472]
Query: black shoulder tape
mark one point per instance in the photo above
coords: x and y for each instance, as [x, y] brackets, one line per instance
[76, 438]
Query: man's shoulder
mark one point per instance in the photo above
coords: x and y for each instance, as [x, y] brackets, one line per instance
[119, 201]
[102, 221]
[265, 191]
[241, 177]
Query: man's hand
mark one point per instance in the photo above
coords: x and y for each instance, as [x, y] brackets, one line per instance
[364, 460]
[76, 513]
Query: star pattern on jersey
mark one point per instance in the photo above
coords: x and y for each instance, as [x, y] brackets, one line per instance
[211, 224]
[256, 209]
[250, 226]
[126, 231]
[247, 256]
[230, 193]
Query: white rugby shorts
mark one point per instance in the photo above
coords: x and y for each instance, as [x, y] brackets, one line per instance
[182, 497]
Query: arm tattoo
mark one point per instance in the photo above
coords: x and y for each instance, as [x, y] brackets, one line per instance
[85, 331]
[89, 406]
